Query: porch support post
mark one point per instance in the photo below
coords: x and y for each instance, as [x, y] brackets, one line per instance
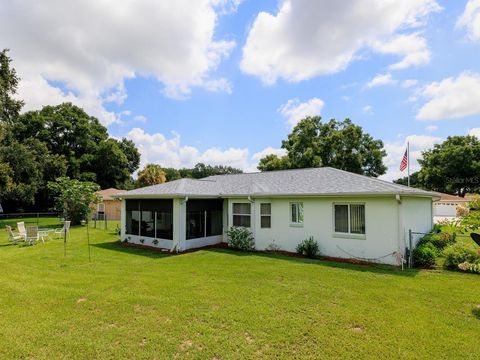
[123, 219]
[179, 220]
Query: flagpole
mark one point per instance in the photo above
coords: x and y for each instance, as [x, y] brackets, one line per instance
[408, 162]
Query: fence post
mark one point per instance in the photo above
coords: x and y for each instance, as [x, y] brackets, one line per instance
[410, 249]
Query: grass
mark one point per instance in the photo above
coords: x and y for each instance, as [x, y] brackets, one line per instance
[134, 303]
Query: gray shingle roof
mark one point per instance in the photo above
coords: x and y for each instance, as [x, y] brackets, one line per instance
[307, 182]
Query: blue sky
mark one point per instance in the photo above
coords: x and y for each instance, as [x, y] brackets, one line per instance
[223, 81]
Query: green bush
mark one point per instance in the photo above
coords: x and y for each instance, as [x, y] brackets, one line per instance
[439, 240]
[308, 248]
[425, 255]
[240, 238]
[459, 253]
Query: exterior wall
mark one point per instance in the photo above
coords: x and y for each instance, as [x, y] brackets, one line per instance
[112, 209]
[417, 216]
[381, 227]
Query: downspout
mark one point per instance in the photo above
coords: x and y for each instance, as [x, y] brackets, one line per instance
[401, 251]
[249, 198]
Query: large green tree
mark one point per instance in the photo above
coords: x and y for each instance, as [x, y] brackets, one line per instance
[83, 141]
[452, 166]
[338, 144]
[9, 106]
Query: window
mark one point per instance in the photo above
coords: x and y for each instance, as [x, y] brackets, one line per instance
[296, 213]
[349, 218]
[266, 216]
[100, 207]
[241, 214]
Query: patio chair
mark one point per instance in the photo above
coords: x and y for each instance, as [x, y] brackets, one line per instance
[475, 237]
[14, 238]
[65, 229]
[21, 229]
[32, 235]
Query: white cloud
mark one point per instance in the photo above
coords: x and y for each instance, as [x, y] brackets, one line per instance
[412, 47]
[308, 38]
[474, 132]
[431, 128]
[396, 149]
[451, 98]
[140, 118]
[367, 109]
[409, 83]
[169, 152]
[294, 111]
[219, 85]
[91, 47]
[470, 19]
[267, 151]
[380, 80]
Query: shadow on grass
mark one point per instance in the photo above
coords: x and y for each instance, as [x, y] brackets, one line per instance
[476, 312]
[372, 268]
[117, 246]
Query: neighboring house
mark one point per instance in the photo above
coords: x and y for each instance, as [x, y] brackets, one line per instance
[446, 206]
[108, 207]
[349, 215]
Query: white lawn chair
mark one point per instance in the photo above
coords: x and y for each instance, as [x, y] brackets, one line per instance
[65, 229]
[21, 229]
[32, 235]
[14, 238]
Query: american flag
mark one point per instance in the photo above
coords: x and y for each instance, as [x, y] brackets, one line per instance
[403, 164]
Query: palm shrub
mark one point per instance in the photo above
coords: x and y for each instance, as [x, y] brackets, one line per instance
[309, 248]
[240, 238]
[425, 255]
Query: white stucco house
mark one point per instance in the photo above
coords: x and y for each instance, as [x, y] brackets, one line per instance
[349, 215]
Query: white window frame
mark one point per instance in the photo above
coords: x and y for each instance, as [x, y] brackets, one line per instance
[349, 233]
[265, 215]
[240, 214]
[101, 207]
[298, 212]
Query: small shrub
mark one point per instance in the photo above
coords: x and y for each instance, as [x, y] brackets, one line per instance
[439, 240]
[273, 247]
[466, 266]
[425, 255]
[142, 240]
[308, 248]
[240, 238]
[462, 211]
[154, 242]
[458, 254]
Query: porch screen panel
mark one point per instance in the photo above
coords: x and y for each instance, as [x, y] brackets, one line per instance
[341, 218]
[164, 225]
[147, 224]
[357, 219]
[204, 218]
[132, 225]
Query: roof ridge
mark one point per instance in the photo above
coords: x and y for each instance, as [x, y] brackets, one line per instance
[377, 179]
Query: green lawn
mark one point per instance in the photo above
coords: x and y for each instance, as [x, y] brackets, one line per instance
[131, 303]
